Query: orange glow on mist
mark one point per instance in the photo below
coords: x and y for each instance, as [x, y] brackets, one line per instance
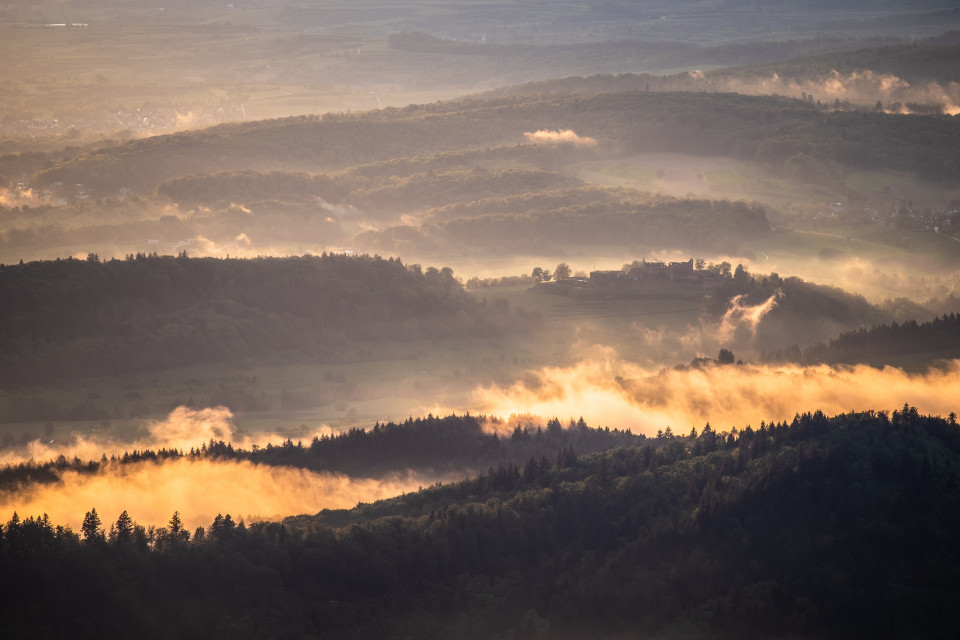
[183, 429]
[610, 392]
[199, 490]
[566, 136]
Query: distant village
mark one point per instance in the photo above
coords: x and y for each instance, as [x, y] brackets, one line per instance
[900, 213]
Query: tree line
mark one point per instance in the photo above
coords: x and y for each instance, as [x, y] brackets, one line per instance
[820, 527]
[71, 318]
[939, 338]
[718, 225]
[432, 444]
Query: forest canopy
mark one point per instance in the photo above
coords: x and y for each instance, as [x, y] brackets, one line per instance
[73, 318]
[821, 527]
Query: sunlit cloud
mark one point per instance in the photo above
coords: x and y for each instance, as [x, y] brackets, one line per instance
[564, 136]
[609, 391]
[199, 490]
[11, 198]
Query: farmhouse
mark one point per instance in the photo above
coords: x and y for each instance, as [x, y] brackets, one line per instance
[655, 275]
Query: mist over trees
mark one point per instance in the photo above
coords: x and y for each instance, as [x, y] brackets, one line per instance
[821, 526]
[762, 128]
[938, 339]
[438, 445]
[343, 130]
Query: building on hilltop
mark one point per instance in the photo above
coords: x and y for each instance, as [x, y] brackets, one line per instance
[655, 275]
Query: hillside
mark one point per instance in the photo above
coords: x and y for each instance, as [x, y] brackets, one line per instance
[823, 527]
[70, 318]
[766, 129]
[543, 228]
[915, 63]
[913, 341]
[905, 77]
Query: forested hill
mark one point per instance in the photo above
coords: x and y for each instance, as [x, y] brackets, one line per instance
[934, 60]
[920, 342]
[766, 129]
[841, 527]
[915, 63]
[72, 318]
[587, 217]
[437, 445]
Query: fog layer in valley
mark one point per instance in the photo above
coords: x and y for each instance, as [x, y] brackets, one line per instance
[199, 490]
[620, 394]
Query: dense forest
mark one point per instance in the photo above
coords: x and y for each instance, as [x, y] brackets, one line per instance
[433, 444]
[934, 340]
[71, 318]
[716, 225]
[838, 527]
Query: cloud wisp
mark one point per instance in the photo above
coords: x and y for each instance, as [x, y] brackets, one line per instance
[563, 136]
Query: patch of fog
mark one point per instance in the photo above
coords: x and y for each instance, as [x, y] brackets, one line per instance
[181, 430]
[564, 136]
[199, 490]
[916, 278]
[607, 390]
